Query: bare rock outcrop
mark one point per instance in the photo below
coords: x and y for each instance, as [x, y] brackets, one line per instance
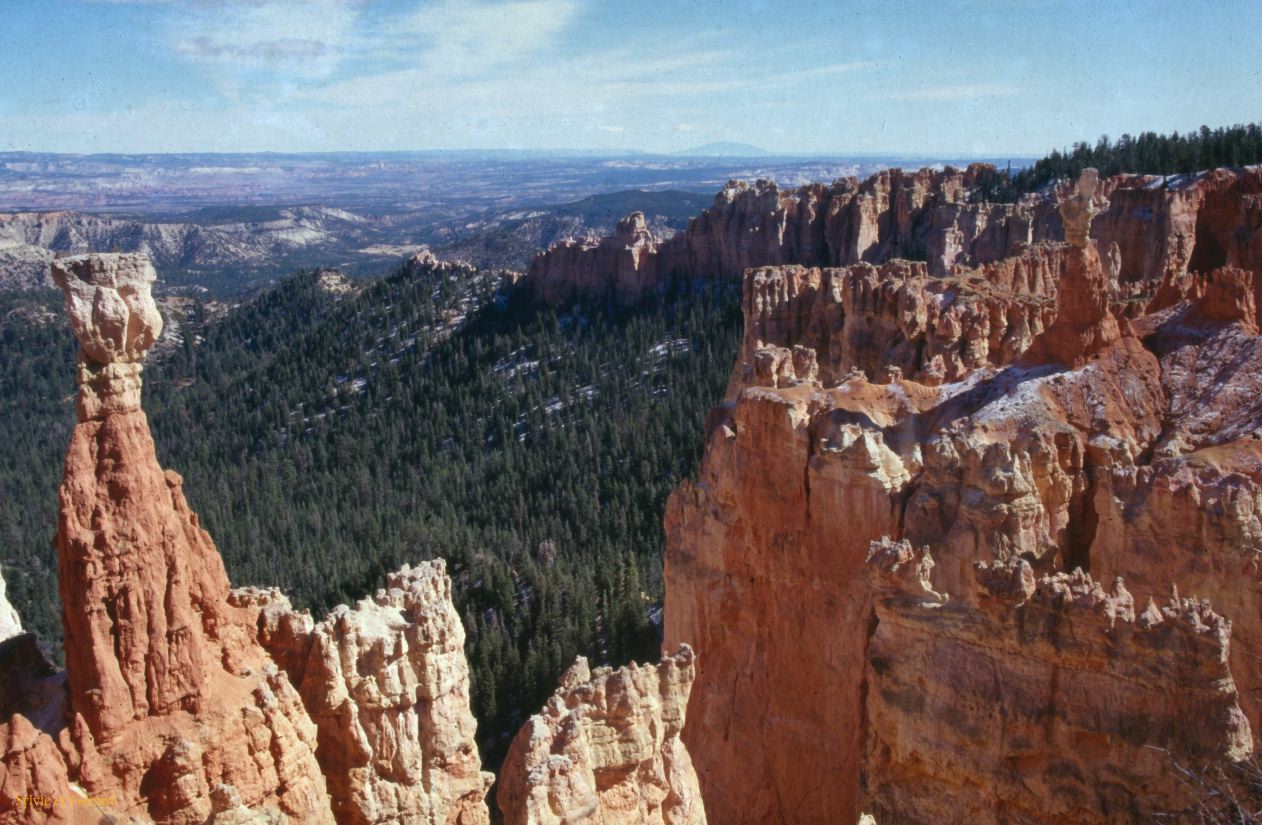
[924, 214]
[168, 691]
[1105, 429]
[1145, 226]
[606, 749]
[620, 265]
[896, 316]
[387, 685]
[1051, 699]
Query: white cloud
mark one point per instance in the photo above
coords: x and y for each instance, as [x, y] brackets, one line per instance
[465, 38]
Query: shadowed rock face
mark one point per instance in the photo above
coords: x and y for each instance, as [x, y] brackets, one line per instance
[1084, 690]
[606, 749]
[992, 429]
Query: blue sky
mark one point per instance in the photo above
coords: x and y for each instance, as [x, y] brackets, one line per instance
[951, 77]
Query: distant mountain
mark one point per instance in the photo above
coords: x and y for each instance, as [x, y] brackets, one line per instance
[726, 149]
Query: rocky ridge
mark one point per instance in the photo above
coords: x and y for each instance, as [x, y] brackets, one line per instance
[994, 430]
[30, 241]
[1151, 225]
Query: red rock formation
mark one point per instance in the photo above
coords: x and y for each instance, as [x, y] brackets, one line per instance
[1127, 448]
[1084, 323]
[1158, 225]
[892, 214]
[606, 748]
[178, 702]
[1047, 700]
[619, 265]
[168, 691]
[896, 316]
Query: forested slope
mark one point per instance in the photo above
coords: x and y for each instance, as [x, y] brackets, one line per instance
[329, 433]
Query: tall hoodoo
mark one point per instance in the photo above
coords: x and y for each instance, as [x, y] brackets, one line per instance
[169, 694]
[1078, 210]
[1084, 322]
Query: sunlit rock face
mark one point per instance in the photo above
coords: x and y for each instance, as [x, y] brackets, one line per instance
[184, 701]
[387, 684]
[115, 319]
[606, 749]
[993, 429]
[10, 624]
[169, 693]
[1145, 226]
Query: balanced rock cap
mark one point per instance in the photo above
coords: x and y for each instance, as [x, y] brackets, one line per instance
[110, 304]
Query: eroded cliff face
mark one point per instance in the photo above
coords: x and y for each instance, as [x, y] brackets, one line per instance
[606, 749]
[186, 702]
[172, 709]
[1013, 422]
[1085, 693]
[1159, 225]
[387, 685]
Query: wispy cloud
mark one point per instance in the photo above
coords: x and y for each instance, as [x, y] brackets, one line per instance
[463, 38]
[962, 91]
[254, 42]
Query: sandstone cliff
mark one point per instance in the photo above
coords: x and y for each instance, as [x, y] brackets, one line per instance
[1193, 222]
[1082, 690]
[387, 685]
[606, 749]
[172, 709]
[1031, 414]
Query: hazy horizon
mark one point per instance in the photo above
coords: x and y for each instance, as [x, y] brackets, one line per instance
[958, 78]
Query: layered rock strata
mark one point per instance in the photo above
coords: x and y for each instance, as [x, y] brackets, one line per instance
[606, 749]
[1081, 693]
[172, 709]
[1158, 224]
[1057, 430]
[387, 685]
[896, 318]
